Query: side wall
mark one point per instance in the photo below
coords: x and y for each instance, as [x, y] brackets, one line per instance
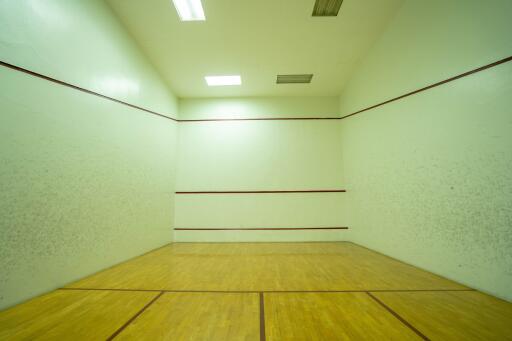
[85, 182]
[265, 155]
[429, 176]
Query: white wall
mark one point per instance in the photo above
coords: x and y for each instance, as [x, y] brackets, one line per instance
[85, 182]
[429, 175]
[256, 156]
[258, 107]
[82, 43]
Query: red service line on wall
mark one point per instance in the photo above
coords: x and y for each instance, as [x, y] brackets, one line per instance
[263, 229]
[265, 192]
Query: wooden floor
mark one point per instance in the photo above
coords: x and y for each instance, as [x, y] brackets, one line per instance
[259, 291]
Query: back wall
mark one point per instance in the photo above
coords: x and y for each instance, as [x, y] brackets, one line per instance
[259, 155]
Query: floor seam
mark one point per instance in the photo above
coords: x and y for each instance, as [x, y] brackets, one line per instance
[400, 318]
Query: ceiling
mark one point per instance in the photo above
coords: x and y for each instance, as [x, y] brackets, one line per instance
[257, 39]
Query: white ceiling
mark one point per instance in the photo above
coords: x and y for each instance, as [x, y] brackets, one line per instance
[257, 39]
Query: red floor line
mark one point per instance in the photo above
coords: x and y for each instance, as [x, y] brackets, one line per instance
[123, 327]
[270, 291]
[113, 289]
[400, 318]
[263, 336]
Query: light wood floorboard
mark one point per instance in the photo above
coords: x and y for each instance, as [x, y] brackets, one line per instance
[387, 299]
[198, 316]
[330, 316]
[266, 267]
[72, 315]
[462, 315]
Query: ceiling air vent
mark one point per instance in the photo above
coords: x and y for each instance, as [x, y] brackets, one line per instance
[294, 79]
[326, 8]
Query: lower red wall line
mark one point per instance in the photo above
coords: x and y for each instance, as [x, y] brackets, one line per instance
[261, 229]
[266, 192]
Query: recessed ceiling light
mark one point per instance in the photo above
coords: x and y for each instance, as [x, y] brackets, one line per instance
[189, 10]
[223, 80]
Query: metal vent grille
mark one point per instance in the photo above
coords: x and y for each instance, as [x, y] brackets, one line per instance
[294, 79]
[326, 8]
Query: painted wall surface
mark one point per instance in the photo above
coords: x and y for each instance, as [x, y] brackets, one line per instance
[85, 182]
[426, 42]
[258, 107]
[82, 43]
[429, 175]
[256, 156]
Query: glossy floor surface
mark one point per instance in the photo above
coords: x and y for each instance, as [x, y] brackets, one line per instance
[261, 291]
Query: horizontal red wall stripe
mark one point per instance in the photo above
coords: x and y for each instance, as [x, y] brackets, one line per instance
[504, 60]
[268, 192]
[262, 229]
[39, 75]
[260, 119]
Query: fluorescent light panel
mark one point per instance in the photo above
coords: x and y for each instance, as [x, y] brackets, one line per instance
[189, 10]
[223, 80]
